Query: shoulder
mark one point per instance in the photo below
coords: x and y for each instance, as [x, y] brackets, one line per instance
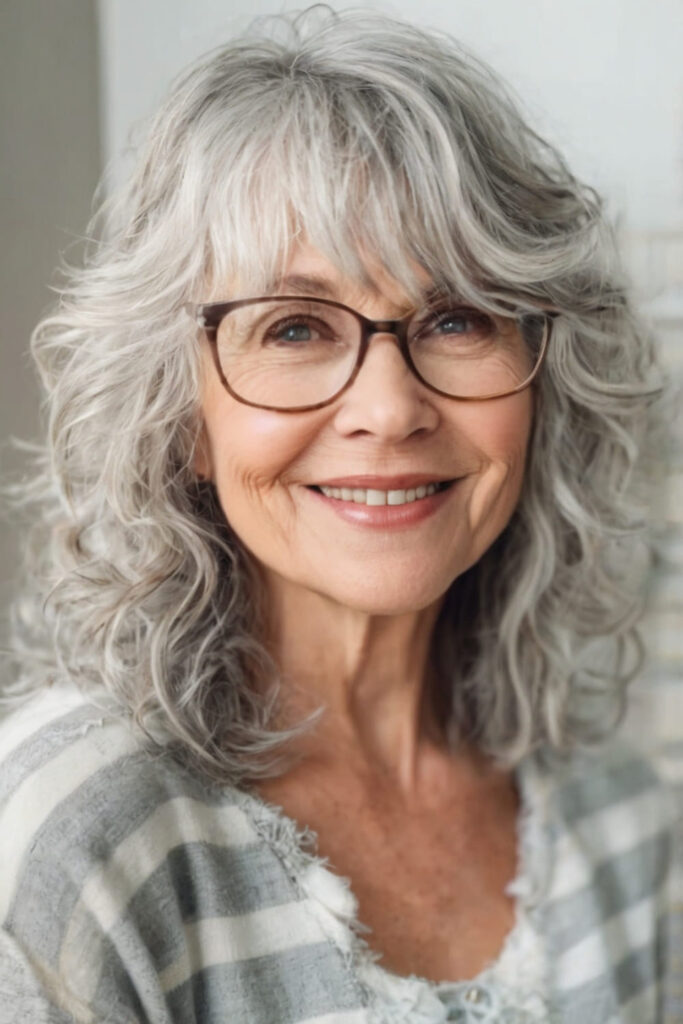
[81, 776]
[611, 828]
[591, 790]
[78, 786]
[132, 891]
[609, 810]
[95, 836]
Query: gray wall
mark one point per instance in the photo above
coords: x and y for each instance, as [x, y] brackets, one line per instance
[49, 166]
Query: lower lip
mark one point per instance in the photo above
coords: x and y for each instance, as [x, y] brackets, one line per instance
[386, 517]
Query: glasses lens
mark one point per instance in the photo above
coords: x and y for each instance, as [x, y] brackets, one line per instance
[294, 353]
[470, 354]
[287, 353]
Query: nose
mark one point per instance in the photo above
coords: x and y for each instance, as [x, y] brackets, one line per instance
[386, 399]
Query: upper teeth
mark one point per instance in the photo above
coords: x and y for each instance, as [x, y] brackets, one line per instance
[363, 496]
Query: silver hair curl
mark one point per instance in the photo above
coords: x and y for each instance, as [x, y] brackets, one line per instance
[357, 130]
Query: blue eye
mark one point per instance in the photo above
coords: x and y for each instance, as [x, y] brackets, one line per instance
[295, 332]
[453, 324]
[458, 323]
[298, 330]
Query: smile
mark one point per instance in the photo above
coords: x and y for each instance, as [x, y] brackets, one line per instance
[372, 496]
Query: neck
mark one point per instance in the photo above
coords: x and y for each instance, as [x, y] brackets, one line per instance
[372, 674]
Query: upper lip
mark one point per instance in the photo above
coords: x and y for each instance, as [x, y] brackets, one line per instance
[384, 483]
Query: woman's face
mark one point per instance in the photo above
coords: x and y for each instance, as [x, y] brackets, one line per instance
[387, 426]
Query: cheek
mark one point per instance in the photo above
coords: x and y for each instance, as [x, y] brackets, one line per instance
[499, 438]
[499, 431]
[252, 453]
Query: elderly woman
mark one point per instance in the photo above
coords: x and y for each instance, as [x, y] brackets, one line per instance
[336, 571]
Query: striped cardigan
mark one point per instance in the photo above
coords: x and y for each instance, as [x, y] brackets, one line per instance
[130, 891]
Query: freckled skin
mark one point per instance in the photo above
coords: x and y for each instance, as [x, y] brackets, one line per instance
[433, 837]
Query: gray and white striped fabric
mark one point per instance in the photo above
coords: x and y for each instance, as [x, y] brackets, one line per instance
[130, 891]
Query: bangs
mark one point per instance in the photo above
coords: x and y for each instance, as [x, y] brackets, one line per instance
[374, 164]
[318, 168]
[406, 155]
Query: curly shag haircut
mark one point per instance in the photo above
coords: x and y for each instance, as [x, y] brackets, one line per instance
[355, 131]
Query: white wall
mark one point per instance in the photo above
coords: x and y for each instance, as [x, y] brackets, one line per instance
[604, 78]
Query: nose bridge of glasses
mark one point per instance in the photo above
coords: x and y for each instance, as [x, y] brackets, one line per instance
[395, 328]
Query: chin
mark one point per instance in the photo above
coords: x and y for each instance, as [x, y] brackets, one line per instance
[390, 600]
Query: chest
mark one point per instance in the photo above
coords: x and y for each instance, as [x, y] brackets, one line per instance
[430, 883]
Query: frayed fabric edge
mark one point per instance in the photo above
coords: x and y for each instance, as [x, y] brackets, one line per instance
[296, 848]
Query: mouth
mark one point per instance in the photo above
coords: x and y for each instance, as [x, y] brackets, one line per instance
[375, 497]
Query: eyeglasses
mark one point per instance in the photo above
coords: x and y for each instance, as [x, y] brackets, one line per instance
[292, 353]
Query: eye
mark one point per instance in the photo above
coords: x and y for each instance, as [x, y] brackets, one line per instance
[461, 321]
[453, 323]
[293, 330]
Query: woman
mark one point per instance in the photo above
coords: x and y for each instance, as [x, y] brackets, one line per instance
[339, 569]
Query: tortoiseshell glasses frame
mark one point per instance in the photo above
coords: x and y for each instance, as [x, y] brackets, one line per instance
[209, 316]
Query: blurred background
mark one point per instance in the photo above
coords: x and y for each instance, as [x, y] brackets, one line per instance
[603, 79]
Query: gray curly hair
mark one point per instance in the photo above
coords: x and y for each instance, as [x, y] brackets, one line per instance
[357, 130]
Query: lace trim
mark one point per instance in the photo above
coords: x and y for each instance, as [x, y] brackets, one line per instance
[513, 989]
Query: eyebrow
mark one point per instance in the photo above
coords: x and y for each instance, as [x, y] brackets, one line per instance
[323, 287]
